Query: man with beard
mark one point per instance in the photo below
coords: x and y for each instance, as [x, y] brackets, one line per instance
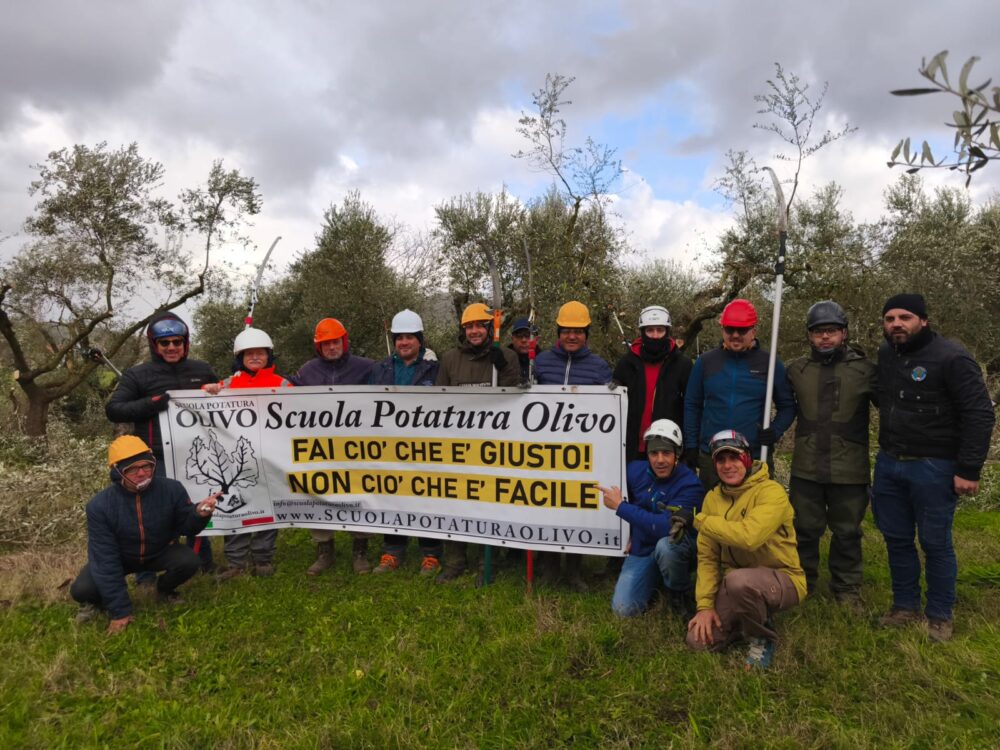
[935, 423]
[833, 387]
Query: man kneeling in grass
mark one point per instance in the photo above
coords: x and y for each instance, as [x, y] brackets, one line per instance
[130, 528]
[748, 564]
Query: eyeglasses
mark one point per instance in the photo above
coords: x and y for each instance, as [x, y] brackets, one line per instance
[737, 330]
[825, 331]
[140, 468]
[167, 343]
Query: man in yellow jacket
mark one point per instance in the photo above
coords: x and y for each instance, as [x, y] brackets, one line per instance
[748, 563]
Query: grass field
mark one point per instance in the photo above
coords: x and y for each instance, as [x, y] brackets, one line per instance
[395, 661]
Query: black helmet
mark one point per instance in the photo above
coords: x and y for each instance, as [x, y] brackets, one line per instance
[826, 313]
[728, 440]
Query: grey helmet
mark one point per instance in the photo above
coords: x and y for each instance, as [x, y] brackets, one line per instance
[826, 313]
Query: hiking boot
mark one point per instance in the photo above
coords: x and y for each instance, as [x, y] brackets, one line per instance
[387, 563]
[86, 613]
[145, 590]
[850, 600]
[574, 574]
[429, 566]
[940, 631]
[324, 559]
[360, 563]
[449, 574]
[899, 618]
[263, 570]
[233, 571]
[681, 604]
[759, 654]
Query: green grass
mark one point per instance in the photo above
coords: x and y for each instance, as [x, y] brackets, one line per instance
[395, 661]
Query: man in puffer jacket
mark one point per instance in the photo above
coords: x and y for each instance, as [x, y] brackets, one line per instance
[410, 364]
[658, 487]
[570, 362]
[130, 528]
[251, 551]
[748, 563]
[141, 394]
[335, 365]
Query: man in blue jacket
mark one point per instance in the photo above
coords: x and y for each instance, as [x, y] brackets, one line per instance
[726, 391]
[131, 525]
[659, 486]
[412, 363]
[570, 362]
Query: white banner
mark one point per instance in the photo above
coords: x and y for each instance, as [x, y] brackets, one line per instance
[506, 467]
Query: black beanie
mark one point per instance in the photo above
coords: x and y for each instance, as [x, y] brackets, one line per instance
[915, 303]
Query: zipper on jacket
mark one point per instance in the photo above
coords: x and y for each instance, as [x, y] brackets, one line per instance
[569, 363]
[142, 531]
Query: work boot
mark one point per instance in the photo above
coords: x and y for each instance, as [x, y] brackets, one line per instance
[233, 571]
[387, 564]
[546, 568]
[324, 559]
[940, 631]
[454, 562]
[850, 600]
[263, 570]
[898, 618]
[169, 597]
[361, 564]
[429, 566]
[86, 613]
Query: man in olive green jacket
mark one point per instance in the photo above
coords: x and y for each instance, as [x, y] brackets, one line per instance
[833, 388]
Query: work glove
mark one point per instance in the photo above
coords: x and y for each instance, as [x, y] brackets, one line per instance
[496, 356]
[766, 437]
[681, 521]
[691, 457]
[160, 402]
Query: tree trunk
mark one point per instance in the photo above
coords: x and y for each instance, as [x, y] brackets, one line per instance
[36, 421]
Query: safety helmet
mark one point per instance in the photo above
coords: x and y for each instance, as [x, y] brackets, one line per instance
[728, 440]
[125, 447]
[573, 315]
[477, 311]
[252, 338]
[654, 315]
[825, 313]
[168, 326]
[329, 329]
[740, 313]
[406, 321]
[665, 429]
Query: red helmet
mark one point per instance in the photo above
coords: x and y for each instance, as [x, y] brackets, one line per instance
[740, 313]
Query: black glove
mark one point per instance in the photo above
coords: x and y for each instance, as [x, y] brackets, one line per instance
[499, 361]
[691, 457]
[160, 402]
[766, 437]
[681, 521]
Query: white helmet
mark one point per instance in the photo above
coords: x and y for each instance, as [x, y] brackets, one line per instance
[654, 315]
[406, 321]
[252, 338]
[667, 430]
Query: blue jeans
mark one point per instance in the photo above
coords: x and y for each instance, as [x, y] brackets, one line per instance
[918, 493]
[673, 564]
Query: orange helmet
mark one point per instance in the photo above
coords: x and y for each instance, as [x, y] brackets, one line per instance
[740, 313]
[329, 329]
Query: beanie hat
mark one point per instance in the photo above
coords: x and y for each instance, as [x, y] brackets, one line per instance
[915, 303]
[657, 443]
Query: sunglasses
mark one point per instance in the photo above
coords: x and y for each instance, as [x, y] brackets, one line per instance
[167, 343]
[737, 330]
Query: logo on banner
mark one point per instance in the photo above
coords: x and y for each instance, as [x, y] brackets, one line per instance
[210, 463]
[919, 374]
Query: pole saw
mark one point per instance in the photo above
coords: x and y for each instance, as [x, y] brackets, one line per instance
[781, 219]
[497, 316]
[255, 285]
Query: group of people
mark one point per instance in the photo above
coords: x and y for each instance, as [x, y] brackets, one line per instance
[709, 525]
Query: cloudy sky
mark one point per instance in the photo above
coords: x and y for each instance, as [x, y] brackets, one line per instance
[412, 102]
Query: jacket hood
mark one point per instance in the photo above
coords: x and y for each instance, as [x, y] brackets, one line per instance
[758, 474]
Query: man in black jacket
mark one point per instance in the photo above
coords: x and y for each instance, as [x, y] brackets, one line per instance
[656, 374]
[141, 393]
[936, 419]
[130, 527]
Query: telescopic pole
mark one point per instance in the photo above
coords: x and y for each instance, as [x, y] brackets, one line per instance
[497, 316]
[781, 219]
